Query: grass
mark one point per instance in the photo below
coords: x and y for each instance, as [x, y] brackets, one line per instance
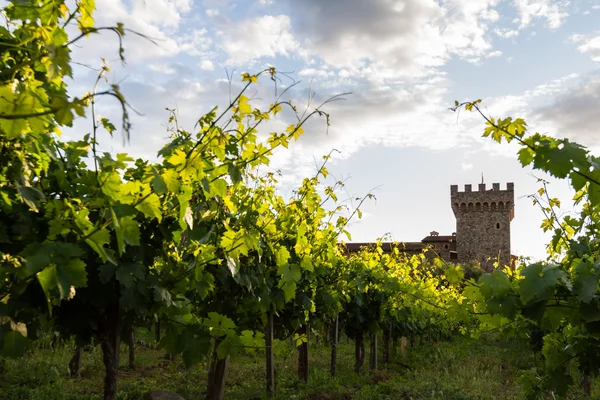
[461, 369]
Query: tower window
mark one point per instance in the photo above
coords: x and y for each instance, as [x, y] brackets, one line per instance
[445, 246]
[498, 225]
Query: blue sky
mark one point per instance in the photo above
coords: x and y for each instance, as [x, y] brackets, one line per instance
[405, 63]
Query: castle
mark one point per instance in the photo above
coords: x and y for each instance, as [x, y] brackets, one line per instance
[482, 228]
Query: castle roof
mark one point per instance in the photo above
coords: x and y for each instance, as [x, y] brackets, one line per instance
[437, 238]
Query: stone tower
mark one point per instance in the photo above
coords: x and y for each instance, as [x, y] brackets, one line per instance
[483, 223]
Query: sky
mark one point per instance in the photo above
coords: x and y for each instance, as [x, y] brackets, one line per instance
[403, 63]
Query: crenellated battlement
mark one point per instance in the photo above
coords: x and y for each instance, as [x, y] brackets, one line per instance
[483, 200]
[510, 187]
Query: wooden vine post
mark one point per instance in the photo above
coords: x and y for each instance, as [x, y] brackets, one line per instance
[75, 363]
[359, 351]
[387, 338]
[131, 345]
[334, 344]
[111, 343]
[270, 359]
[373, 352]
[157, 331]
[217, 374]
[303, 354]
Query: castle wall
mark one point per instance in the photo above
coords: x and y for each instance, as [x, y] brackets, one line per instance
[483, 223]
[482, 234]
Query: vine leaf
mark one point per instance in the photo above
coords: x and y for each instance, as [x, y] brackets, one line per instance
[151, 207]
[539, 281]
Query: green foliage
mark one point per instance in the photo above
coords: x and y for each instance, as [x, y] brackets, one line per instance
[559, 296]
[198, 239]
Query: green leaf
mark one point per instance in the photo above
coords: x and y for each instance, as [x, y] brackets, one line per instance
[526, 156]
[118, 232]
[171, 180]
[110, 128]
[64, 115]
[227, 347]
[184, 201]
[48, 281]
[162, 295]
[151, 207]
[283, 255]
[178, 158]
[290, 272]
[219, 187]
[158, 185]
[495, 284]
[14, 344]
[131, 230]
[70, 274]
[539, 282]
[506, 306]
[590, 312]
[41, 255]
[247, 338]
[86, 8]
[121, 28]
[243, 106]
[31, 196]
[306, 264]
[173, 341]
[196, 349]
[128, 273]
[454, 274]
[586, 281]
[289, 290]
[97, 240]
[216, 319]
[106, 272]
[234, 173]
[13, 127]
[246, 77]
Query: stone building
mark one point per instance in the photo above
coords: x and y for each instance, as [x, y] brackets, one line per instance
[482, 228]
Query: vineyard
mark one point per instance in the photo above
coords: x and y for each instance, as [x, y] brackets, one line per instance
[200, 248]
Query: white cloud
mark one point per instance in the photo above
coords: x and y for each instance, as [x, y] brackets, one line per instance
[206, 65]
[137, 49]
[266, 36]
[413, 116]
[589, 44]
[313, 72]
[490, 15]
[553, 11]
[382, 40]
[166, 13]
[196, 43]
[171, 68]
[496, 53]
[162, 68]
[150, 97]
[212, 12]
[574, 113]
[506, 33]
